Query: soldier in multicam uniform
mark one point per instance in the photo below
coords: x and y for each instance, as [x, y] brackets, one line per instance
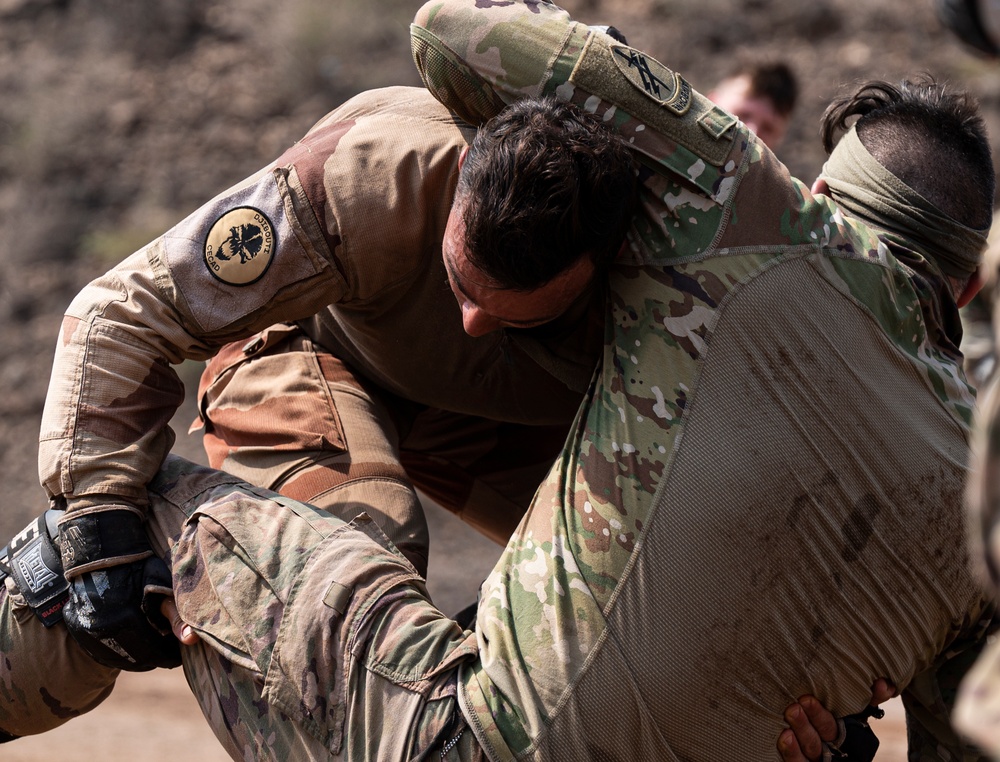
[758, 499]
[803, 336]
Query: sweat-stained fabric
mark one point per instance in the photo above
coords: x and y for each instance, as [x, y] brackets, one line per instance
[762, 496]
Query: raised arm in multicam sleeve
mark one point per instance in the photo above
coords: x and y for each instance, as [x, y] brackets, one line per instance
[477, 56]
[475, 62]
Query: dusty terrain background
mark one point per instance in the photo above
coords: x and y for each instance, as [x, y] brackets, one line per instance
[117, 118]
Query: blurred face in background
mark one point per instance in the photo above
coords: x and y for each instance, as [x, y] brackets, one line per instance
[757, 112]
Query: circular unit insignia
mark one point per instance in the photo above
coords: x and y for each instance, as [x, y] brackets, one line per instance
[240, 246]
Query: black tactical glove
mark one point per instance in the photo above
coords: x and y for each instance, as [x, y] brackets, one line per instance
[857, 741]
[116, 587]
[32, 559]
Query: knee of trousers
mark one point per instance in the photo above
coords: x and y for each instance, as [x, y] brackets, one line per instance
[45, 678]
[322, 606]
[391, 503]
[345, 488]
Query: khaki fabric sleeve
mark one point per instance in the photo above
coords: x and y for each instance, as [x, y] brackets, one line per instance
[307, 232]
[251, 257]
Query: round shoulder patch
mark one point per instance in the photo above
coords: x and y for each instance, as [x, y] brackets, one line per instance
[240, 246]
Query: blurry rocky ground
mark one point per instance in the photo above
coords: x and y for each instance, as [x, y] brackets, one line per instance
[117, 118]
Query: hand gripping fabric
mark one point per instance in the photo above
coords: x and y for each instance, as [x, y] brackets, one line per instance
[32, 559]
[116, 587]
[857, 741]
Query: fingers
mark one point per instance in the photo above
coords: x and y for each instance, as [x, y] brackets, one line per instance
[788, 747]
[882, 691]
[820, 718]
[806, 733]
[183, 632]
[811, 724]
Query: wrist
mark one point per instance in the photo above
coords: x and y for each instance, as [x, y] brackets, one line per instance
[97, 537]
[80, 502]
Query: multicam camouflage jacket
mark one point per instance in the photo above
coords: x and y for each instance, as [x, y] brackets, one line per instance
[762, 493]
[343, 233]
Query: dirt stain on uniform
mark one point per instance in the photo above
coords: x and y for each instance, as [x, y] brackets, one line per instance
[858, 527]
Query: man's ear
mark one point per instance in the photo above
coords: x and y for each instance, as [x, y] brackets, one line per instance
[461, 157]
[819, 187]
[971, 288]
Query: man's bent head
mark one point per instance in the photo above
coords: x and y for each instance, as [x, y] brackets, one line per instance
[545, 196]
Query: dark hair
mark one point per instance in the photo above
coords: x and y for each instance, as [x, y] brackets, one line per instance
[932, 139]
[544, 184]
[775, 81]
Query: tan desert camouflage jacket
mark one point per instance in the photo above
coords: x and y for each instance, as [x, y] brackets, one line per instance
[343, 232]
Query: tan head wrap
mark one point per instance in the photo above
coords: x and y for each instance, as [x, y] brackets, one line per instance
[869, 192]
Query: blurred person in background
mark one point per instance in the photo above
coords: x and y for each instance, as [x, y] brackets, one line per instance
[762, 94]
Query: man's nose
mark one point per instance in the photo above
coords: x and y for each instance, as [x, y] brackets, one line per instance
[476, 322]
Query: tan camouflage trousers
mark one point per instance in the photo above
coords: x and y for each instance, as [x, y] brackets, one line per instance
[318, 640]
[282, 413]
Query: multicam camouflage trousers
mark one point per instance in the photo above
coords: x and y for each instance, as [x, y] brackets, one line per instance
[318, 640]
